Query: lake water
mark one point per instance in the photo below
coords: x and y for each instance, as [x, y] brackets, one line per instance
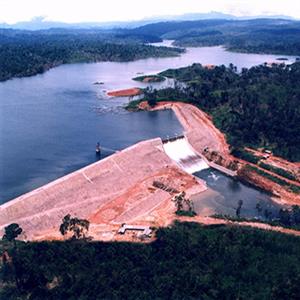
[50, 123]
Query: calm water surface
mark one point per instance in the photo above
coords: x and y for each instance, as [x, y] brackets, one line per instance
[224, 194]
[50, 123]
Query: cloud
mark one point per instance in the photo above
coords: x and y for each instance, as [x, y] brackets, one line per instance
[116, 10]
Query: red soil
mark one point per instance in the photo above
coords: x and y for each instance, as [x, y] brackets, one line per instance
[125, 93]
[198, 126]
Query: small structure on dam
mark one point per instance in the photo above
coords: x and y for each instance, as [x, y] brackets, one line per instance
[179, 150]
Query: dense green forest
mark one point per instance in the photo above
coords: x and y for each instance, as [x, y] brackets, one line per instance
[25, 53]
[276, 36]
[187, 261]
[257, 107]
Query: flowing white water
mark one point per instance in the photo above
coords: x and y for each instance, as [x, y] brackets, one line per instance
[183, 154]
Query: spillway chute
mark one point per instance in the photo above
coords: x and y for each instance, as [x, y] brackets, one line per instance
[183, 154]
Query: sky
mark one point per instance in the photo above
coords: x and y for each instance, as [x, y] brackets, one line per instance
[71, 11]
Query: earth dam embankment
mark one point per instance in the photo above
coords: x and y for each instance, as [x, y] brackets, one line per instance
[113, 191]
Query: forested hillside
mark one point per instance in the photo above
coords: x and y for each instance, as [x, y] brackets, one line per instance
[276, 36]
[258, 107]
[187, 261]
[25, 53]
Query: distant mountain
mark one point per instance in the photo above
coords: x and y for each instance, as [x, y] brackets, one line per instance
[219, 15]
[4, 25]
[39, 23]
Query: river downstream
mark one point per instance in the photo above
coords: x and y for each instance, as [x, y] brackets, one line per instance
[51, 122]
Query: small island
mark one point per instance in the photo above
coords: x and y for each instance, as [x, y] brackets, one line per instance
[150, 78]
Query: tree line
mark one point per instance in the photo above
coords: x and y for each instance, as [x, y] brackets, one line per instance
[186, 261]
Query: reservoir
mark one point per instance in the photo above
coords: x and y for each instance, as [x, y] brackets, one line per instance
[50, 123]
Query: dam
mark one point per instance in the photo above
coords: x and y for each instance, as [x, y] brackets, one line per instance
[180, 151]
[115, 190]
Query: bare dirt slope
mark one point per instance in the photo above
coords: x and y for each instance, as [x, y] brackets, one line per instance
[198, 127]
[125, 93]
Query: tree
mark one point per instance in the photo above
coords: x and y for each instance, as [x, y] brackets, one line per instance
[11, 232]
[284, 217]
[258, 207]
[152, 102]
[238, 210]
[180, 202]
[296, 214]
[268, 214]
[77, 227]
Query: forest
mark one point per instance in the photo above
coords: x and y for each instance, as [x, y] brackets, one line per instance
[258, 107]
[26, 53]
[276, 36]
[186, 261]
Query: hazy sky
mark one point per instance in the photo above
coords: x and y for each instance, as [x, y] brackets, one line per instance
[12, 11]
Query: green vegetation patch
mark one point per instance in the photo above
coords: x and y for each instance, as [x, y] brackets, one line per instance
[186, 213]
[133, 105]
[149, 78]
[278, 171]
[245, 155]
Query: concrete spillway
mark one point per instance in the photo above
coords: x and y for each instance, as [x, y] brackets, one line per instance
[183, 154]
